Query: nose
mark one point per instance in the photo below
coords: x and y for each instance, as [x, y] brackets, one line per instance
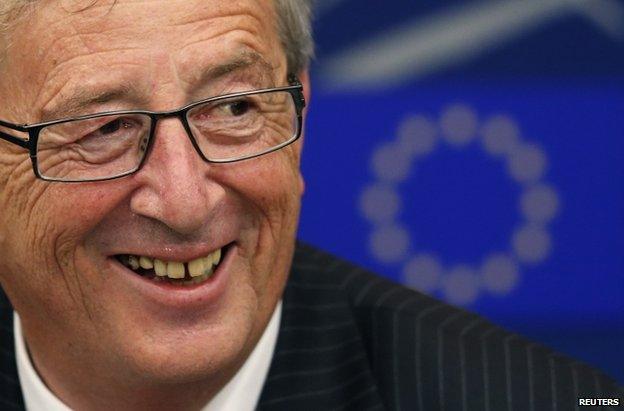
[175, 188]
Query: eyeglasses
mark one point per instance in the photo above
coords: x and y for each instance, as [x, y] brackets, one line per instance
[114, 144]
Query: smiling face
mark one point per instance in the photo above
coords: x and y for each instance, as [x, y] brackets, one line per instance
[92, 323]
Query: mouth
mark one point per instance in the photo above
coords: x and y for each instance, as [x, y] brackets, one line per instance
[180, 273]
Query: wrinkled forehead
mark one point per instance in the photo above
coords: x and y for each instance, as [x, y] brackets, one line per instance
[57, 42]
[45, 21]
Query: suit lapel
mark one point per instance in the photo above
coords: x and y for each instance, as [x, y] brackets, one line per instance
[320, 361]
[10, 392]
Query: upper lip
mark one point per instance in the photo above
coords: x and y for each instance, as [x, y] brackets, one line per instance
[172, 252]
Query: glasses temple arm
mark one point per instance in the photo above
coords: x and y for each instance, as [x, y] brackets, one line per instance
[12, 139]
[293, 80]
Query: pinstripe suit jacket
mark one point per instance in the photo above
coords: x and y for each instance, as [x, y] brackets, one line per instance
[352, 341]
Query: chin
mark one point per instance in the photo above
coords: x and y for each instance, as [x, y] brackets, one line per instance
[196, 335]
[202, 358]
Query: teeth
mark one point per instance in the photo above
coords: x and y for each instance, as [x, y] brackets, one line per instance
[199, 269]
[216, 257]
[196, 267]
[161, 268]
[133, 262]
[146, 263]
[175, 270]
[196, 280]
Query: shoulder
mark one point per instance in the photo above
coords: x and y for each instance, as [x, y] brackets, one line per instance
[371, 297]
[426, 353]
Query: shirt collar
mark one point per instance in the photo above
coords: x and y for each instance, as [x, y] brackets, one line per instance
[241, 393]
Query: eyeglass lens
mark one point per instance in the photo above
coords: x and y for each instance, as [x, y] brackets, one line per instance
[224, 129]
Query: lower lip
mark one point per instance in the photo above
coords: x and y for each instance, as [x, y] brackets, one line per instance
[180, 296]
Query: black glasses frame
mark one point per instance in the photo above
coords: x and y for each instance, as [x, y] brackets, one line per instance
[295, 89]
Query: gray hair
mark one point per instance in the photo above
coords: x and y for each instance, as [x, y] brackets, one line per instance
[294, 24]
[295, 30]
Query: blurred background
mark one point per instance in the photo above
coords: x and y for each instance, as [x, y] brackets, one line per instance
[474, 150]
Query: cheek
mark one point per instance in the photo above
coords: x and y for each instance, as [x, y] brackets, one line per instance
[31, 256]
[272, 186]
[271, 192]
[42, 227]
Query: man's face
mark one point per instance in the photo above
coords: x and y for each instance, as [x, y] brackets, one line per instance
[60, 243]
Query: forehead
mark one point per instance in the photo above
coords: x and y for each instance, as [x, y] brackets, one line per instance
[133, 21]
[64, 45]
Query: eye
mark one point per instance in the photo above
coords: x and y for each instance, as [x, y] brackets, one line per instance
[237, 112]
[236, 108]
[113, 126]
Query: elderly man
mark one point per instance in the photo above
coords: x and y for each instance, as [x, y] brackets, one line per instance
[150, 192]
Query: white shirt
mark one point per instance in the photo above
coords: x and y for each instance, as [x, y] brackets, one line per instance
[241, 393]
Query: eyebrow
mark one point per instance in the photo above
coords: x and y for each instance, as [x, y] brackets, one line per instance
[84, 98]
[243, 60]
